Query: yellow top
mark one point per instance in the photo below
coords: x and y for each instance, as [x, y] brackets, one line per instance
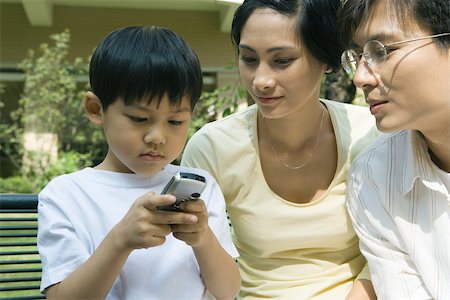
[287, 250]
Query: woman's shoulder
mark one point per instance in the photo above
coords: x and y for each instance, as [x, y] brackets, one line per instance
[350, 117]
[341, 108]
[354, 127]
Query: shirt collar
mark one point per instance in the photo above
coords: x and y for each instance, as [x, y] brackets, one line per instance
[419, 166]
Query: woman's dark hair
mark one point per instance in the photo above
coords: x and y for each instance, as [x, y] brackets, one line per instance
[433, 15]
[144, 63]
[316, 25]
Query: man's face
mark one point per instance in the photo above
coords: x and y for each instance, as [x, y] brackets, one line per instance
[411, 88]
[144, 138]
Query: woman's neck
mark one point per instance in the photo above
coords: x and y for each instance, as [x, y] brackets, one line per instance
[296, 130]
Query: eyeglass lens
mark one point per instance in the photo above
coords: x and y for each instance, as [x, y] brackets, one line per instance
[349, 60]
[374, 52]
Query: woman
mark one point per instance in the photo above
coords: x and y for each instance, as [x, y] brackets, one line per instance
[282, 163]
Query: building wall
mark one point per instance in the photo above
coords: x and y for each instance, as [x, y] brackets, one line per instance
[89, 25]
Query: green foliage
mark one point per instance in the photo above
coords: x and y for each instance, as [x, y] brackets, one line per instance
[217, 104]
[35, 180]
[16, 184]
[51, 102]
[50, 87]
[2, 90]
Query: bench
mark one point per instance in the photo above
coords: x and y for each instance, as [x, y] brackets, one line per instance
[20, 264]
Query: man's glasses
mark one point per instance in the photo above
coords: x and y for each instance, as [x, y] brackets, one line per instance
[374, 52]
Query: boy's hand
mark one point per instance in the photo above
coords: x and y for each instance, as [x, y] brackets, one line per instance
[193, 233]
[144, 226]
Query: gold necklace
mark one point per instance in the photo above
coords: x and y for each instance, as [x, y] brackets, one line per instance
[310, 154]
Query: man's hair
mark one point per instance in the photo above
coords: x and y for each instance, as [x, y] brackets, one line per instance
[316, 24]
[142, 64]
[432, 15]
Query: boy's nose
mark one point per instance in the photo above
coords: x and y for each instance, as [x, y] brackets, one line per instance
[155, 135]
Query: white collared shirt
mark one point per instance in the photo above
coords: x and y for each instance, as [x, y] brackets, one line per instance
[400, 209]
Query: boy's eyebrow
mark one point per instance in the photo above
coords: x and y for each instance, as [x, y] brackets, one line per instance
[274, 49]
[141, 107]
[182, 109]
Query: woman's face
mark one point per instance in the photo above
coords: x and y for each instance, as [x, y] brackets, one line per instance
[277, 70]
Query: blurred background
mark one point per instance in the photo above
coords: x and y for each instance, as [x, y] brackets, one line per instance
[45, 46]
[40, 89]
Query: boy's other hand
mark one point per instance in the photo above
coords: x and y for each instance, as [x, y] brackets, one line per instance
[194, 233]
[145, 226]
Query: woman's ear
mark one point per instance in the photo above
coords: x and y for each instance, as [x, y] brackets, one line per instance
[93, 108]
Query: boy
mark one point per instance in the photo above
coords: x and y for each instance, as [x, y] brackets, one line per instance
[100, 232]
[398, 194]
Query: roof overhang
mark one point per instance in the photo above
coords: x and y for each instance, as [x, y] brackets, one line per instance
[40, 12]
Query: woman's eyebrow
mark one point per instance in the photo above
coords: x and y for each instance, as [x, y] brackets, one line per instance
[245, 47]
[274, 49]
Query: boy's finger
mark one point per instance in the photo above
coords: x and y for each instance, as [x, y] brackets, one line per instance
[190, 228]
[150, 200]
[193, 206]
[175, 218]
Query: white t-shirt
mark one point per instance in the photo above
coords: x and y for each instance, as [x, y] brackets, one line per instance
[76, 211]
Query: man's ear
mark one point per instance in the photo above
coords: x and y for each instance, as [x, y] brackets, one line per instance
[93, 108]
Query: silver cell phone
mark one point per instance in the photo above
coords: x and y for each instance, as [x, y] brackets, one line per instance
[185, 187]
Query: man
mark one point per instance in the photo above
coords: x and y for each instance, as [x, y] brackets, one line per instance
[398, 194]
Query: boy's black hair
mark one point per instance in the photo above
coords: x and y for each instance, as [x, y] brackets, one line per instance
[316, 25]
[144, 63]
[433, 15]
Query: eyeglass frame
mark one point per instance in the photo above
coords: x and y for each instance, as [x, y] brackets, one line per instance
[346, 63]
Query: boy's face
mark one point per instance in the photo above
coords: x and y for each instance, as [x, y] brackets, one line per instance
[144, 138]
[410, 89]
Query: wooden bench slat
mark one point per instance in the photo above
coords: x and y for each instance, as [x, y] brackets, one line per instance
[21, 262]
[20, 265]
[17, 271]
[40, 296]
[12, 219]
[19, 227]
[20, 279]
[9, 235]
[17, 244]
[19, 288]
[19, 252]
